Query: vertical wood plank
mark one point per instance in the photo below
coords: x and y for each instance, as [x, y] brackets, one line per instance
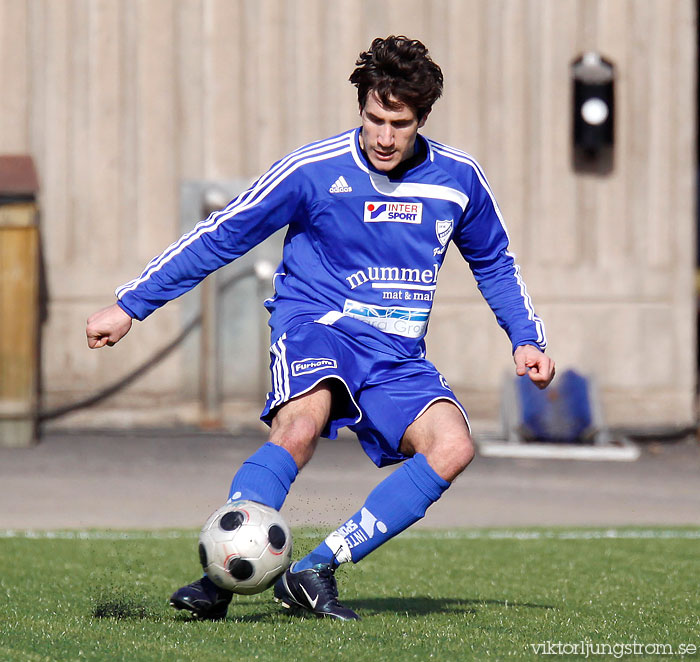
[54, 135]
[303, 69]
[130, 199]
[682, 144]
[492, 102]
[251, 74]
[587, 185]
[659, 164]
[103, 149]
[79, 125]
[193, 70]
[515, 79]
[36, 96]
[437, 18]
[536, 127]
[464, 84]
[409, 18]
[637, 183]
[614, 231]
[683, 194]
[558, 226]
[343, 43]
[220, 67]
[376, 22]
[269, 118]
[14, 77]
[156, 155]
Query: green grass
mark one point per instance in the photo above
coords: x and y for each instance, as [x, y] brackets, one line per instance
[422, 596]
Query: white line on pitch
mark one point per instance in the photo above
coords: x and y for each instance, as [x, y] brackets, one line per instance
[465, 534]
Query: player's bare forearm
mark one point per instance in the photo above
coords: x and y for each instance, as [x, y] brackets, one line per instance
[107, 326]
[533, 362]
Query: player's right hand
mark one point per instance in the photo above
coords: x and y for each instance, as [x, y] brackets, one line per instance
[107, 326]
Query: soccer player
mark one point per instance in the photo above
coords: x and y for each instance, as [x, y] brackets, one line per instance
[369, 215]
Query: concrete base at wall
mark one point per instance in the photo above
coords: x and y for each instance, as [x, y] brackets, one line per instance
[628, 410]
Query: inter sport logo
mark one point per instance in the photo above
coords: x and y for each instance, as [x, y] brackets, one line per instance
[353, 533]
[394, 212]
[305, 366]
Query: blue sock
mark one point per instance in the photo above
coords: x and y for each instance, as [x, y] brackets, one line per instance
[265, 476]
[400, 500]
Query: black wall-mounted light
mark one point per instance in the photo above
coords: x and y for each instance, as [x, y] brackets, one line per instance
[593, 112]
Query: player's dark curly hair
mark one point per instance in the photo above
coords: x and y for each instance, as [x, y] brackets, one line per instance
[398, 68]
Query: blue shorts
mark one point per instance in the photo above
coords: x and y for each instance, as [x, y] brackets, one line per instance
[377, 395]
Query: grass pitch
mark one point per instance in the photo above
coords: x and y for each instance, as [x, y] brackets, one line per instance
[464, 595]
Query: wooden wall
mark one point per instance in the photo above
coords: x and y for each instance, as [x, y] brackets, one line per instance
[120, 101]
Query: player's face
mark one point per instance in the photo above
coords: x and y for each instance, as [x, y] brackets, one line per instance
[388, 136]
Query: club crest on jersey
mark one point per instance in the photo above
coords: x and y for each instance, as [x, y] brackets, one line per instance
[393, 212]
[306, 366]
[443, 230]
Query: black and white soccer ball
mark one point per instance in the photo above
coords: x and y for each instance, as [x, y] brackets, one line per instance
[245, 546]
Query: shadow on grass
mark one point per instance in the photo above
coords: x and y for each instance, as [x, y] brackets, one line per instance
[132, 608]
[421, 606]
[126, 608]
[414, 606]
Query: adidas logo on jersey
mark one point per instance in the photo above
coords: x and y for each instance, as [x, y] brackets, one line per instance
[340, 186]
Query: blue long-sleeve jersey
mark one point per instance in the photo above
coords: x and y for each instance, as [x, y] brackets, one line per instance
[362, 249]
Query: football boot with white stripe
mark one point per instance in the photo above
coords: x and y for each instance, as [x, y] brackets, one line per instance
[314, 590]
[203, 599]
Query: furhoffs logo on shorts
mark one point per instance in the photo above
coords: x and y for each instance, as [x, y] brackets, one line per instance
[305, 366]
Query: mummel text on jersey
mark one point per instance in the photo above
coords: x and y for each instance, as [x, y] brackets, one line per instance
[362, 250]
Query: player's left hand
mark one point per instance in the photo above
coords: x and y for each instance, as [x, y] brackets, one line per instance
[535, 363]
